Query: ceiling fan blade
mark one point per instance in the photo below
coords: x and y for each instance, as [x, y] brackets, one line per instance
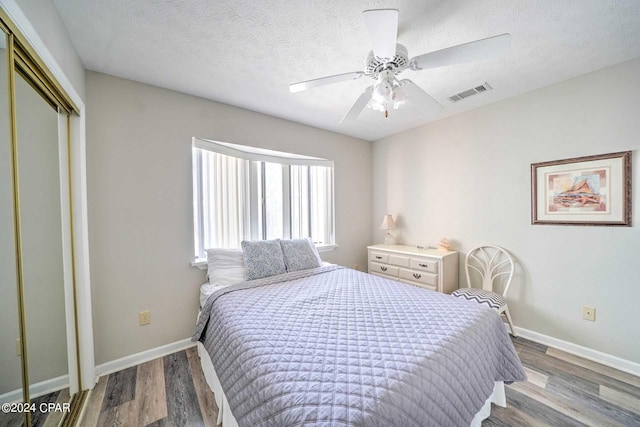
[382, 25]
[358, 106]
[489, 48]
[298, 87]
[420, 98]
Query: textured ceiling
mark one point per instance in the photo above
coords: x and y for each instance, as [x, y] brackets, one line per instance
[246, 52]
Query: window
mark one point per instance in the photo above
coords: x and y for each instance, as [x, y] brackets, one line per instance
[246, 193]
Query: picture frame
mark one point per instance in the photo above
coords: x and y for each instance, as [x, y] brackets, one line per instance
[591, 190]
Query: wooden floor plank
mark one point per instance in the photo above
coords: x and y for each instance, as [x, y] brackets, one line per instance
[206, 399]
[621, 399]
[93, 406]
[39, 417]
[563, 405]
[182, 400]
[537, 411]
[121, 388]
[550, 365]
[151, 392]
[594, 366]
[160, 423]
[536, 378]
[11, 419]
[588, 399]
[494, 422]
[54, 417]
[513, 416]
[124, 415]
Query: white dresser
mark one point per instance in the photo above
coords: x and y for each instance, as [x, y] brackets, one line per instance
[428, 268]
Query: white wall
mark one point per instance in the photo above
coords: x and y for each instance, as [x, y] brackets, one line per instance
[468, 178]
[140, 202]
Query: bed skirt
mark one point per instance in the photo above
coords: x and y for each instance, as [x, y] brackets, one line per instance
[226, 419]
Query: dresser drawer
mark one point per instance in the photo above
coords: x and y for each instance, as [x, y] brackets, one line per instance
[380, 257]
[399, 260]
[419, 276]
[388, 270]
[424, 264]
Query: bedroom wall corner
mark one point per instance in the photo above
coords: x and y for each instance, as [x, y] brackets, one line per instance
[140, 202]
[470, 182]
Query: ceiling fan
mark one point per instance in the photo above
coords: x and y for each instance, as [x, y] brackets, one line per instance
[388, 59]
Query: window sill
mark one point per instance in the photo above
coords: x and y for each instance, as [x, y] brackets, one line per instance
[326, 248]
[201, 263]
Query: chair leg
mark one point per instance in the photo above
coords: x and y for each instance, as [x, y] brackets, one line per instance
[506, 313]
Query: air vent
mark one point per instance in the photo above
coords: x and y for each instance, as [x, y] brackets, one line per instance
[470, 92]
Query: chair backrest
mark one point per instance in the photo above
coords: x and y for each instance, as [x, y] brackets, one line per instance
[490, 262]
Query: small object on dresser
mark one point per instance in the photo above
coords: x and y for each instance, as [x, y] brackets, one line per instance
[388, 224]
[444, 245]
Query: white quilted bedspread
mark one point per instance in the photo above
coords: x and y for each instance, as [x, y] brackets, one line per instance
[336, 347]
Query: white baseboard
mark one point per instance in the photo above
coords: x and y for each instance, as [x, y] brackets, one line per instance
[143, 356]
[36, 390]
[578, 350]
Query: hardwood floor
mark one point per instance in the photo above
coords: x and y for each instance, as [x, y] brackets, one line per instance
[567, 390]
[169, 391]
[39, 418]
[562, 390]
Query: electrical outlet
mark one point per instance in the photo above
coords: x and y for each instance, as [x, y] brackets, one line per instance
[144, 317]
[589, 313]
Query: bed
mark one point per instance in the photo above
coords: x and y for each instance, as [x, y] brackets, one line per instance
[337, 347]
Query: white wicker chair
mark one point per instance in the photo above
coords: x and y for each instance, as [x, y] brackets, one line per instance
[489, 262]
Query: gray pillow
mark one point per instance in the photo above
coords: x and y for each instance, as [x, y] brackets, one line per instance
[263, 258]
[300, 254]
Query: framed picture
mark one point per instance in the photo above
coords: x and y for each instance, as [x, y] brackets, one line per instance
[592, 190]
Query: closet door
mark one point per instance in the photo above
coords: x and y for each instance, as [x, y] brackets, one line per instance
[42, 235]
[10, 363]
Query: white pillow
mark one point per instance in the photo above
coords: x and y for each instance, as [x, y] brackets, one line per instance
[225, 266]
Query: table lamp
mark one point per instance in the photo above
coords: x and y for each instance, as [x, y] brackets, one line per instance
[388, 224]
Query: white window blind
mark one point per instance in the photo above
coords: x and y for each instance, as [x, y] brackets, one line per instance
[246, 193]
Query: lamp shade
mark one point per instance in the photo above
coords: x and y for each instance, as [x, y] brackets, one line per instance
[388, 223]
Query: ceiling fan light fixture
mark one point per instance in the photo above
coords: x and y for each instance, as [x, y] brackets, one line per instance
[386, 94]
[388, 59]
[399, 97]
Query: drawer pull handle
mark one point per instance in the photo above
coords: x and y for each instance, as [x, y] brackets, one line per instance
[417, 276]
[378, 257]
[383, 268]
[424, 265]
